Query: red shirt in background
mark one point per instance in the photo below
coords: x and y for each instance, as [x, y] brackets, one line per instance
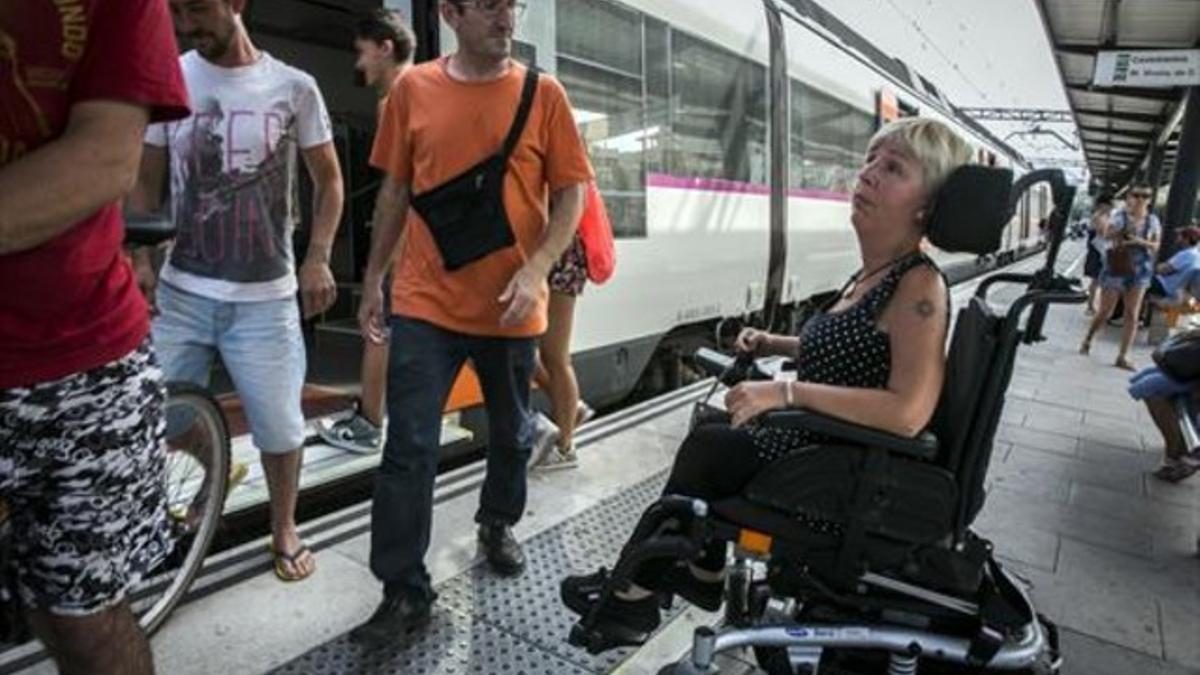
[72, 304]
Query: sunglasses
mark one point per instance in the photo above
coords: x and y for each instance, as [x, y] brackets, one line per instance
[1140, 195]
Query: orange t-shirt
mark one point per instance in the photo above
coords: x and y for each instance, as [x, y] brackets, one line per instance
[433, 129]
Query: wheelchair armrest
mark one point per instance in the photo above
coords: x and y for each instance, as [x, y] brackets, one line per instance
[924, 446]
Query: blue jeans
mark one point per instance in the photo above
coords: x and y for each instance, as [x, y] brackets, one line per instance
[1154, 383]
[423, 363]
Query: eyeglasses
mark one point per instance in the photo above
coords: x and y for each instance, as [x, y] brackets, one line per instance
[1140, 195]
[496, 7]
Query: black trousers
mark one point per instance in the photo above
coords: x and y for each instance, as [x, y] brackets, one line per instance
[715, 461]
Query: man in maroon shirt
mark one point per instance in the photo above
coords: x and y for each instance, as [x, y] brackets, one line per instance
[81, 455]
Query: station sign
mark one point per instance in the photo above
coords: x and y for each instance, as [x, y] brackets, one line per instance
[1147, 68]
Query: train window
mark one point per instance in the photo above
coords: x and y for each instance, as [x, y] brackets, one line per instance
[600, 32]
[719, 114]
[860, 127]
[658, 95]
[525, 53]
[821, 144]
[600, 64]
[796, 137]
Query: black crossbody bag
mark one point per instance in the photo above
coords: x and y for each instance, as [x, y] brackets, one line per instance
[466, 215]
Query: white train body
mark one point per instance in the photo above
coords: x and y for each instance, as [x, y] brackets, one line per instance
[677, 101]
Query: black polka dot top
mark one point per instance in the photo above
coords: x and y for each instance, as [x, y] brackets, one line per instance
[844, 348]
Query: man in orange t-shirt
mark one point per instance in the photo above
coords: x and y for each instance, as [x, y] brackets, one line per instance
[443, 118]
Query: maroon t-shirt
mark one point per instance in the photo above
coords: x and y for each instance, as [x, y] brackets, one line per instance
[72, 304]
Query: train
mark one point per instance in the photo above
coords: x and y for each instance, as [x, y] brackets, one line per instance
[725, 136]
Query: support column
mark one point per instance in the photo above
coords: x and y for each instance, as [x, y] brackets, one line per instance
[1181, 200]
[1154, 171]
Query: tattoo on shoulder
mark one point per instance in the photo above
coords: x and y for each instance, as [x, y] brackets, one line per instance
[925, 309]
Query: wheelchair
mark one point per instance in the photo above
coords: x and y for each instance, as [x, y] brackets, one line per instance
[895, 580]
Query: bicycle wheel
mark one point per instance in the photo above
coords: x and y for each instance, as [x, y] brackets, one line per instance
[197, 473]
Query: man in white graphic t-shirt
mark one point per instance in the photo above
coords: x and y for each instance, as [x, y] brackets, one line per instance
[228, 286]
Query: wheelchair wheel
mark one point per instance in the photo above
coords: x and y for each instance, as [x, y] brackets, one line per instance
[197, 473]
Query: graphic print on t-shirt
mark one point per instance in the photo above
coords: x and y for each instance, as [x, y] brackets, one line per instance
[233, 176]
[232, 217]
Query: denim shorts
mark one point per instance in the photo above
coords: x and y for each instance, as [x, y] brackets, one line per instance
[1141, 279]
[261, 345]
[1154, 383]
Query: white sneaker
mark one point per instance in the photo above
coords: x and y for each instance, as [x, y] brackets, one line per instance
[557, 459]
[545, 439]
[353, 433]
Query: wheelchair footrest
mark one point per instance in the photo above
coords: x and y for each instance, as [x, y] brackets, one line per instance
[603, 636]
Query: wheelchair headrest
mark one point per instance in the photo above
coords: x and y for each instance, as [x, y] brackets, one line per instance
[971, 210]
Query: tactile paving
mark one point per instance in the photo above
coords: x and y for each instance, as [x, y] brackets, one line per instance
[451, 645]
[487, 624]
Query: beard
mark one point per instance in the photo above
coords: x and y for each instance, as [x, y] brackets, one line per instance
[212, 46]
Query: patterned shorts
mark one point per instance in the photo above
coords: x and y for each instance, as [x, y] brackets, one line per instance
[81, 465]
[570, 273]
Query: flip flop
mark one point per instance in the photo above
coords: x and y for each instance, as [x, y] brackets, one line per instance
[1125, 364]
[291, 559]
[237, 473]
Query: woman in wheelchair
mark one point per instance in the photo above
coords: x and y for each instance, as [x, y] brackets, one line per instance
[874, 356]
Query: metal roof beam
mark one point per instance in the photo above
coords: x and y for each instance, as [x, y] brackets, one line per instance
[1140, 118]
[1129, 133]
[1102, 150]
[1163, 95]
[1113, 158]
[1094, 49]
[1094, 143]
[1126, 161]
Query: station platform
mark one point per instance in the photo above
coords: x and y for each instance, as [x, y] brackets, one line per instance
[1108, 551]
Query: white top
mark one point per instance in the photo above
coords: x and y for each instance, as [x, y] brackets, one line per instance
[1099, 242]
[233, 176]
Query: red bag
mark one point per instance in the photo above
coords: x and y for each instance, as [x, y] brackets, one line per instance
[595, 231]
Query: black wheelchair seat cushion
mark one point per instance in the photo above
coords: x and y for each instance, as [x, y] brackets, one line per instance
[913, 502]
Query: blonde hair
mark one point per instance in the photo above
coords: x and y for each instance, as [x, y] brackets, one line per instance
[934, 145]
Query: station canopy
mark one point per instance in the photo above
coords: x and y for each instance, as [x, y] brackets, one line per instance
[1120, 125]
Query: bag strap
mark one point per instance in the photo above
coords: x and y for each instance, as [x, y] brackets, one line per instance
[518, 126]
